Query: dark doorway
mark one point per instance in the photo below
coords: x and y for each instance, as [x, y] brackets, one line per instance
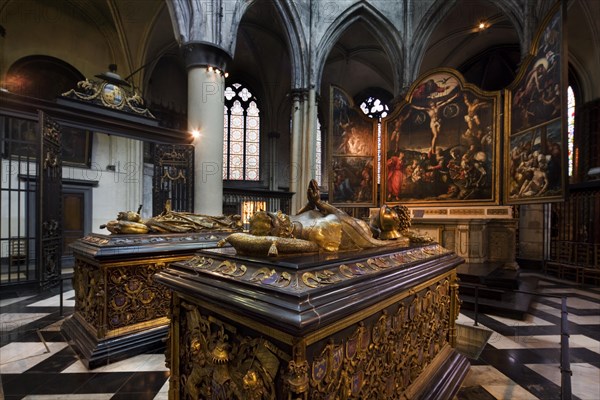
[77, 217]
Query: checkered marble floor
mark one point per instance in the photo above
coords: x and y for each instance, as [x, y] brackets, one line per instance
[520, 361]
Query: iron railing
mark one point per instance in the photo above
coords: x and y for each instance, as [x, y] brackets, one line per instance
[565, 364]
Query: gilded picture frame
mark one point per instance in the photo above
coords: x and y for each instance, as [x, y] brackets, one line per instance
[441, 146]
[352, 153]
[535, 122]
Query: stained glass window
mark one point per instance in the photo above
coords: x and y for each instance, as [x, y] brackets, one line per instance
[318, 167]
[571, 128]
[375, 108]
[241, 135]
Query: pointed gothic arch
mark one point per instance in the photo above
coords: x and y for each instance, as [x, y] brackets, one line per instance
[379, 26]
[296, 41]
[437, 12]
[197, 21]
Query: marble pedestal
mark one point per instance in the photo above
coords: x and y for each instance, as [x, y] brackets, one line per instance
[480, 235]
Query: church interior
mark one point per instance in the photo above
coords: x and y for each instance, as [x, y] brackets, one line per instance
[299, 199]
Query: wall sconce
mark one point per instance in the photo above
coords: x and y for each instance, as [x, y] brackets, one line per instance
[217, 71]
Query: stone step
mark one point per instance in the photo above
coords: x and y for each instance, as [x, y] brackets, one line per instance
[499, 291]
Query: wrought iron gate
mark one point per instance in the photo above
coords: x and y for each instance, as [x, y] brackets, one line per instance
[20, 151]
[30, 201]
[173, 178]
[49, 201]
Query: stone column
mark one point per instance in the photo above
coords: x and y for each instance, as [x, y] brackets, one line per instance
[298, 100]
[206, 64]
[303, 145]
[309, 147]
[133, 169]
[273, 160]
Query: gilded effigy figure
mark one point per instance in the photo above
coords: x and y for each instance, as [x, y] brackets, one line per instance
[318, 227]
[170, 221]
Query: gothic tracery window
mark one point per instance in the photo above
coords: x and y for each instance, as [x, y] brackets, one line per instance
[571, 128]
[318, 155]
[241, 135]
[375, 108]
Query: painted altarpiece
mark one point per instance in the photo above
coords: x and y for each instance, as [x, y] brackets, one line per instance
[535, 143]
[353, 153]
[441, 146]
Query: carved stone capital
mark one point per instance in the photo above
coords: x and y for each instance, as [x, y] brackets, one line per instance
[203, 54]
[299, 94]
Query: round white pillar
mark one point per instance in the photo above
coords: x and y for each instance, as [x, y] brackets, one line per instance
[205, 116]
[296, 149]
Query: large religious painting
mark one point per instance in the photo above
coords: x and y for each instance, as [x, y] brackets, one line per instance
[353, 153]
[535, 161]
[442, 145]
[535, 143]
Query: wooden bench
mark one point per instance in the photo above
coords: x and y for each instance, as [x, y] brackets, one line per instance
[575, 261]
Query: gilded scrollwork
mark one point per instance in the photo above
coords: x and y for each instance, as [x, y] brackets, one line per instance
[292, 280]
[134, 296]
[51, 130]
[219, 363]
[268, 276]
[378, 263]
[319, 278]
[114, 94]
[199, 262]
[230, 268]
[94, 240]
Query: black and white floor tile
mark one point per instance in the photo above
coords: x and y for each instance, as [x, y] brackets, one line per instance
[520, 361]
[522, 358]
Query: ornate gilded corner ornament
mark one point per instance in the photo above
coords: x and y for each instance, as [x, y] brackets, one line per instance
[51, 228]
[112, 92]
[52, 160]
[51, 130]
[89, 283]
[297, 379]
